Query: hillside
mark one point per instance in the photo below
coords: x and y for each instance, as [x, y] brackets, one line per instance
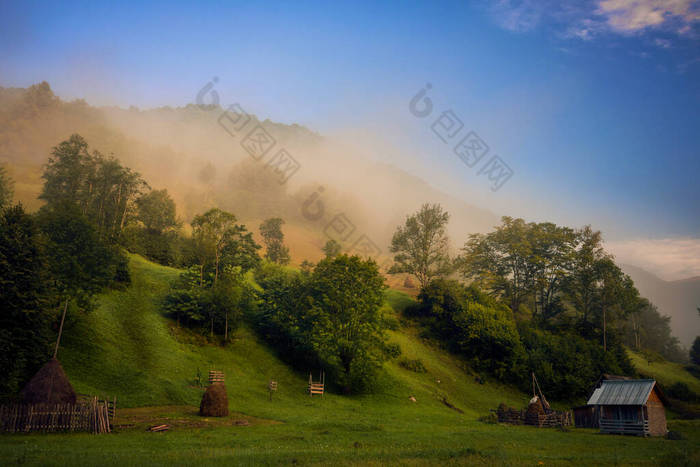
[128, 349]
[158, 362]
[666, 373]
[677, 299]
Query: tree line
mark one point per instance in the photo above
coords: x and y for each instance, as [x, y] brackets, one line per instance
[530, 297]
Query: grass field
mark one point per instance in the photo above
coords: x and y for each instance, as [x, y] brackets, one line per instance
[126, 348]
[665, 372]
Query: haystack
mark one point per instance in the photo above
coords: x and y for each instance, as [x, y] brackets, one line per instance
[49, 385]
[535, 407]
[214, 401]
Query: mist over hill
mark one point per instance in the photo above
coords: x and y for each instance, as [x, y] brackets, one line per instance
[201, 156]
[677, 299]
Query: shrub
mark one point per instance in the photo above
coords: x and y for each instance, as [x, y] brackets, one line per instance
[330, 318]
[413, 365]
[565, 364]
[682, 392]
[392, 350]
[390, 322]
[472, 324]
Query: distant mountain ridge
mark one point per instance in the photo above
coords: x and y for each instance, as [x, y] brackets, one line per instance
[678, 299]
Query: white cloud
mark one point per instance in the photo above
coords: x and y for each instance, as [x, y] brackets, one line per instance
[635, 15]
[663, 43]
[585, 19]
[517, 15]
[669, 258]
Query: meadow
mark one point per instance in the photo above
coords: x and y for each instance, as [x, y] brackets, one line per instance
[128, 349]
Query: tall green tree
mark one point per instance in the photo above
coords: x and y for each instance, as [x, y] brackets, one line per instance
[695, 351]
[420, 246]
[100, 187]
[80, 263]
[551, 252]
[209, 231]
[220, 242]
[273, 237]
[500, 261]
[156, 210]
[25, 332]
[7, 186]
[331, 248]
[582, 283]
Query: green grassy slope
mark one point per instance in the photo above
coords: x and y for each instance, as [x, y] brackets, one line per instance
[664, 372]
[128, 349]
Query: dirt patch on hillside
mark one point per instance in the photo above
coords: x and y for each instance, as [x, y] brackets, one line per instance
[177, 416]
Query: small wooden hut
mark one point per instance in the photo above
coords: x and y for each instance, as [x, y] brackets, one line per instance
[629, 407]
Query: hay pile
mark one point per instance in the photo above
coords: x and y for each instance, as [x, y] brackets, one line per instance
[214, 401]
[49, 385]
[535, 408]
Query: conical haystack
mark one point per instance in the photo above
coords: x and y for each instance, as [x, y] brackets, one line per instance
[49, 385]
[214, 401]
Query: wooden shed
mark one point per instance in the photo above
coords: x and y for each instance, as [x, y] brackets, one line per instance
[629, 407]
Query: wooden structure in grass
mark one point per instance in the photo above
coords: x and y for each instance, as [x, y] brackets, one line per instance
[317, 387]
[272, 387]
[629, 407]
[538, 413]
[216, 376]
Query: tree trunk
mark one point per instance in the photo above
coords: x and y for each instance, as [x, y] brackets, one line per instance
[60, 329]
[226, 329]
[216, 267]
[605, 344]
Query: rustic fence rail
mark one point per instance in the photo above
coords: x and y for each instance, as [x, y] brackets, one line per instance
[523, 417]
[91, 416]
[627, 427]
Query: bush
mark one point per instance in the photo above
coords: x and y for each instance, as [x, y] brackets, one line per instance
[328, 318]
[390, 322]
[161, 247]
[392, 350]
[472, 324]
[415, 366]
[693, 370]
[682, 392]
[566, 364]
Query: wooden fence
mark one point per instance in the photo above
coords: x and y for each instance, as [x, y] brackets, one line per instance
[549, 420]
[111, 404]
[523, 417]
[625, 427]
[92, 417]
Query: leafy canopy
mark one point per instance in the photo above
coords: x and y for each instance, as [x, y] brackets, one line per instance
[420, 246]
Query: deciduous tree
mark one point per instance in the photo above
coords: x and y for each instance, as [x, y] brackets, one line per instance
[420, 246]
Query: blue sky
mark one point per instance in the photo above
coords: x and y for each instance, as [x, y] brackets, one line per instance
[594, 104]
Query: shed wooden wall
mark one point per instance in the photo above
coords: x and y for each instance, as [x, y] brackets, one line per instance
[657, 414]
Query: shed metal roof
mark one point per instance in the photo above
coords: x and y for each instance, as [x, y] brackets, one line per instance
[622, 392]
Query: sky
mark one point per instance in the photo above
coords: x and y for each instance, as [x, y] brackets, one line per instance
[593, 105]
